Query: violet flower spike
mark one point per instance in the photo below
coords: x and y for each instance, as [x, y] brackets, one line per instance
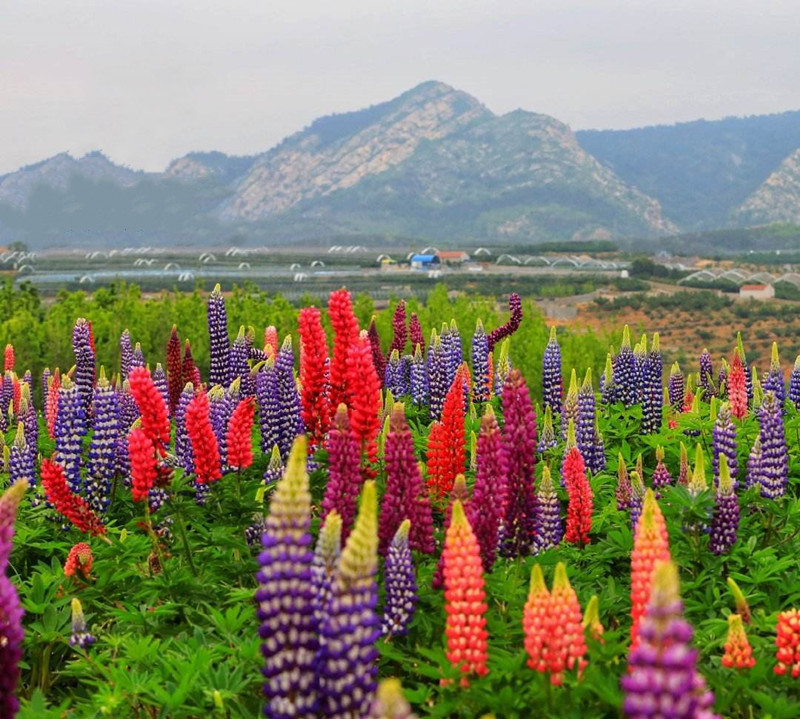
[401, 584]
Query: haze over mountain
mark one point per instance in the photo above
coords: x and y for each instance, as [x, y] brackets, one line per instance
[433, 163]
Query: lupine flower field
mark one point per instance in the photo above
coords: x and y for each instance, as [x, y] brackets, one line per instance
[395, 518]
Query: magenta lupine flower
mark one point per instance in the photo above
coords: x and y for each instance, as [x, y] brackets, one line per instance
[344, 471]
[519, 450]
[773, 382]
[405, 496]
[725, 523]
[724, 434]
[550, 529]
[661, 477]
[219, 341]
[748, 375]
[399, 331]
[547, 437]
[10, 610]
[707, 374]
[378, 360]
[84, 362]
[794, 384]
[490, 492]
[160, 382]
[481, 391]
[347, 660]
[676, 388]
[415, 332]
[70, 429]
[663, 680]
[514, 321]
[418, 378]
[401, 584]
[183, 445]
[552, 381]
[437, 376]
[102, 462]
[285, 597]
[653, 390]
[774, 464]
[125, 355]
[625, 371]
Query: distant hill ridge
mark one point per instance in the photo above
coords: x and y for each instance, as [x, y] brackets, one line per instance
[432, 163]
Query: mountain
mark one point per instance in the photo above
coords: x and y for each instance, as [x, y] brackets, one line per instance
[702, 171]
[778, 198]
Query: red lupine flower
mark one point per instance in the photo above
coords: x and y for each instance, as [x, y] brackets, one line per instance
[17, 396]
[10, 359]
[365, 392]
[345, 329]
[535, 620]
[70, 505]
[446, 443]
[688, 401]
[415, 333]
[566, 643]
[400, 333]
[204, 443]
[344, 473]
[80, 559]
[271, 341]
[174, 367]
[189, 371]
[464, 598]
[738, 653]
[737, 388]
[144, 464]
[240, 434]
[787, 642]
[152, 409]
[377, 354]
[650, 546]
[51, 411]
[579, 509]
[314, 375]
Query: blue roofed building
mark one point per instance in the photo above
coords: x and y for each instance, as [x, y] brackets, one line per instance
[424, 262]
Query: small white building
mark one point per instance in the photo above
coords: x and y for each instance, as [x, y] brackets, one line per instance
[756, 292]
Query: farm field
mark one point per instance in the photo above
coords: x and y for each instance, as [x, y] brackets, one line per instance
[223, 505]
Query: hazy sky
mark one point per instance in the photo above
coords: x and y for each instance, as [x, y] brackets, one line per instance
[148, 80]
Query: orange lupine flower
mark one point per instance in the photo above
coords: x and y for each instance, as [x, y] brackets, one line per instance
[738, 653]
[464, 596]
[534, 620]
[650, 546]
[79, 560]
[788, 643]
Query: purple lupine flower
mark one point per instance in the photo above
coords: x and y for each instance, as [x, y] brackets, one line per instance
[102, 462]
[393, 379]
[221, 406]
[401, 584]
[639, 367]
[773, 382]
[275, 468]
[570, 409]
[256, 355]
[437, 375]
[707, 374]
[490, 491]
[20, 460]
[80, 637]
[46, 375]
[160, 381]
[519, 449]
[325, 564]
[404, 376]
[456, 350]
[653, 390]
[547, 437]
[418, 378]
[504, 332]
[676, 388]
[29, 419]
[10, 610]
[637, 498]
[774, 465]
[344, 471]
[598, 460]
[183, 445]
[609, 392]
[663, 680]
[481, 392]
[623, 490]
[724, 434]
[285, 596]
[661, 477]
[125, 355]
[725, 523]
[252, 534]
[502, 367]
[239, 352]
[128, 414]
[754, 464]
[624, 373]
[722, 380]
[378, 360]
[347, 660]
[219, 341]
[444, 338]
[138, 357]
[552, 381]
[84, 362]
[268, 409]
[70, 429]
[291, 418]
[156, 497]
[794, 384]
[585, 425]
[27, 379]
[6, 397]
[549, 529]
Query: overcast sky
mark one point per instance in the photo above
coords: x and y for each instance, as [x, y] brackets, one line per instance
[149, 80]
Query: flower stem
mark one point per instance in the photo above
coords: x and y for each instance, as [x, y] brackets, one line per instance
[184, 538]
